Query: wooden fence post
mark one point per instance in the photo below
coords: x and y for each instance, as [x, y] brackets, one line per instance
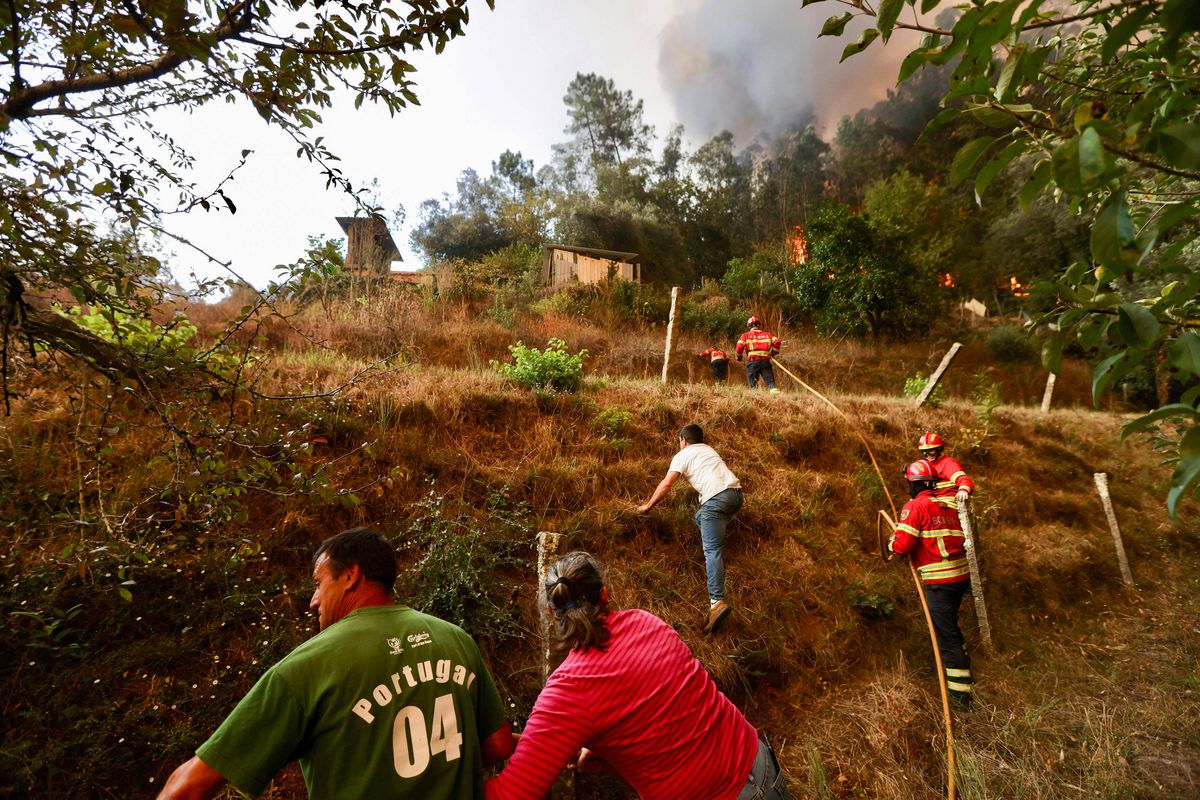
[670, 333]
[1102, 487]
[937, 375]
[547, 554]
[1049, 393]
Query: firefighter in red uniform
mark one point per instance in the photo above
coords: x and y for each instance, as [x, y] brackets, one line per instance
[758, 348]
[718, 359]
[930, 534]
[954, 486]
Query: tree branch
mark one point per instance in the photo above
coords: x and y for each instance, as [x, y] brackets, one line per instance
[20, 103]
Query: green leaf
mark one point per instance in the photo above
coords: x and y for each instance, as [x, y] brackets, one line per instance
[1186, 471]
[967, 156]
[886, 15]
[1114, 238]
[868, 36]
[1123, 31]
[834, 26]
[1163, 412]
[929, 5]
[1010, 70]
[1180, 144]
[1092, 330]
[993, 167]
[1103, 374]
[1136, 326]
[1184, 353]
[804, 3]
[911, 63]
[1036, 183]
[1094, 160]
[1052, 352]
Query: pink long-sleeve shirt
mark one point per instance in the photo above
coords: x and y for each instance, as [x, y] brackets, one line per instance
[645, 706]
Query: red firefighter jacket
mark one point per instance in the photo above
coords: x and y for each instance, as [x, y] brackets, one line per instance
[951, 478]
[930, 533]
[713, 354]
[757, 345]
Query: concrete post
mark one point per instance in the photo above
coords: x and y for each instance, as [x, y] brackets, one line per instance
[1049, 393]
[937, 375]
[670, 333]
[547, 553]
[1102, 487]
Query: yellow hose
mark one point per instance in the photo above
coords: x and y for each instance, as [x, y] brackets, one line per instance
[937, 656]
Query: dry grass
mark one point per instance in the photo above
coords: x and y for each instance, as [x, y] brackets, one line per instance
[1093, 691]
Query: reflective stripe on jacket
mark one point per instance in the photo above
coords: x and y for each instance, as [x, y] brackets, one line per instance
[931, 534]
[757, 345]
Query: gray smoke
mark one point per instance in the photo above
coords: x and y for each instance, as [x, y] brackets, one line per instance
[757, 67]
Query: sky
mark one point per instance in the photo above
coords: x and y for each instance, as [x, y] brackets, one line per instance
[750, 66]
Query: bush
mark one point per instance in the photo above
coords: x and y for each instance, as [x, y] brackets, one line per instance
[916, 384]
[1009, 343]
[458, 576]
[714, 321]
[553, 369]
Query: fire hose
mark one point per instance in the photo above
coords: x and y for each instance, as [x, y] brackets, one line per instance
[883, 516]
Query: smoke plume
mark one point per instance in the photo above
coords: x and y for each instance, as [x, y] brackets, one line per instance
[757, 67]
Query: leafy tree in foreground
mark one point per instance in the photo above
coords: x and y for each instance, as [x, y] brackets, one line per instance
[81, 155]
[1103, 94]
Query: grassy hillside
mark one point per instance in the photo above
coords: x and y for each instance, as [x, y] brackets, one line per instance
[147, 583]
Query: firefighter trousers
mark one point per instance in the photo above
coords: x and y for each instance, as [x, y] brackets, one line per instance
[944, 601]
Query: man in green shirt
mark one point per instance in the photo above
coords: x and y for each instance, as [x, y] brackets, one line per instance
[384, 702]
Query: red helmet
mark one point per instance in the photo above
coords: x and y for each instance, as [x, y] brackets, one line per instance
[920, 471]
[750, 323]
[930, 441]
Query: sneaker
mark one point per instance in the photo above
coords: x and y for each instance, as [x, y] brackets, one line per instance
[960, 701]
[716, 615]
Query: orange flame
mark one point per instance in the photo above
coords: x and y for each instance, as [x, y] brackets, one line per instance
[946, 280]
[798, 245]
[1018, 289]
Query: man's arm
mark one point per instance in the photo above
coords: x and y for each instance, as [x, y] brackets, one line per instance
[193, 780]
[664, 486]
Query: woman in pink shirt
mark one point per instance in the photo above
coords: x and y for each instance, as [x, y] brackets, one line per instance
[632, 695]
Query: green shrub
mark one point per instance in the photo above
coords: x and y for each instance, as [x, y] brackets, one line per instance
[916, 384]
[459, 575]
[715, 321]
[553, 369]
[1009, 343]
[613, 421]
[501, 314]
[868, 604]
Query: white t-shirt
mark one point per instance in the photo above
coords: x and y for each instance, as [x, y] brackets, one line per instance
[705, 471]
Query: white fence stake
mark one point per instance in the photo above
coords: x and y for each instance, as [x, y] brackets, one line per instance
[1049, 393]
[1102, 488]
[670, 333]
[937, 375]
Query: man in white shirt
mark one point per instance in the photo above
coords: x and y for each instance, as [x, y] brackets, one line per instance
[720, 498]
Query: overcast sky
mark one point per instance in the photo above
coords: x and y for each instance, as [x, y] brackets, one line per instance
[749, 66]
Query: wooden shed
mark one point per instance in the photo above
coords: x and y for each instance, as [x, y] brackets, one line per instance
[370, 249]
[563, 264]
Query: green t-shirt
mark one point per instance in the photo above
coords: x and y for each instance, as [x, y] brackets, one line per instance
[386, 702]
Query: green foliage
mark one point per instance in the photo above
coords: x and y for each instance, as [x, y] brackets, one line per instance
[986, 396]
[459, 574]
[1100, 96]
[553, 369]
[714, 321]
[763, 278]
[614, 301]
[868, 604]
[137, 333]
[858, 282]
[1009, 344]
[916, 384]
[613, 421]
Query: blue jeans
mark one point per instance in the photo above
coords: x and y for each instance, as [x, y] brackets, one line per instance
[766, 781]
[760, 368]
[711, 519]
